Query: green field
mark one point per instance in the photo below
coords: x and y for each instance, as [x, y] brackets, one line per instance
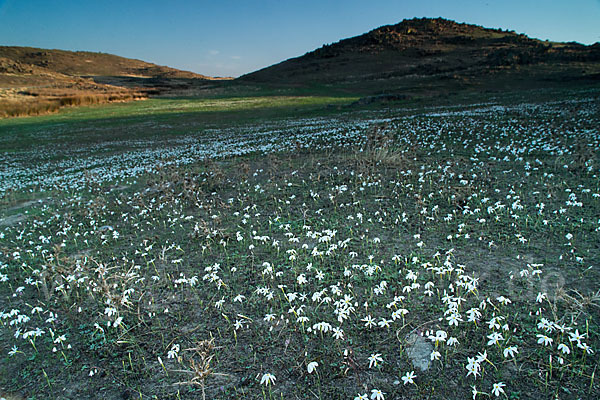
[301, 248]
[133, 119]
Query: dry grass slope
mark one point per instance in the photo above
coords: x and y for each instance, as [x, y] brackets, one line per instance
[39, 81]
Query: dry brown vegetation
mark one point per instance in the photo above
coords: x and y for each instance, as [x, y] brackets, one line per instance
[38, 81]
[45, 105]
[40, 102]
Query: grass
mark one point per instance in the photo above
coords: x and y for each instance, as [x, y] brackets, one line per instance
[156, 118]
[192, 270]
[160, 106]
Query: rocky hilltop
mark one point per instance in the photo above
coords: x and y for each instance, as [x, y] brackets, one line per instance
[424, 51]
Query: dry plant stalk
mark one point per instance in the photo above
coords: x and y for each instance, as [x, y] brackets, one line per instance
[579, 301]
[380, 149]
[198, 364]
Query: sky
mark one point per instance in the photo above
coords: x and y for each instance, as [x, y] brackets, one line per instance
[234, 37]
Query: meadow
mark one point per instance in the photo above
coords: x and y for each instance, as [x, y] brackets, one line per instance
[302, 248]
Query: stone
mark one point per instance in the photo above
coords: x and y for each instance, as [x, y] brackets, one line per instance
[419, 351]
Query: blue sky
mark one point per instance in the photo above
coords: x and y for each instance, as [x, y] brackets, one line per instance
[233, 37]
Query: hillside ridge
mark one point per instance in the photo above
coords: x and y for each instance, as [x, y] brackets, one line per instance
[86, 63]
[429, 48]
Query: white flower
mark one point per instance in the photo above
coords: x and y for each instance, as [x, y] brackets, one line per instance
[454, 319]
[362, 397]
[510, 351]
[540, 297]
[576, 336]
[301, 279]
[239, 298]
[312, 366]
[495, 338]
[377, 394]
[13, 351]
[564, 348]
[369, 321]
[338, 333]
[322, 327]
[408, 378]
[374, 360]
[267, 379]
[584, 346]
[545, 340]
[110, 311]
[481, 357]
[269, 317]
[384, 323]
[473, 367]
[173, 352]
[497, 388]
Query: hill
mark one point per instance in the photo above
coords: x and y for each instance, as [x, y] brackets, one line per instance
[419, 54]
[85, 63]
[35, 81]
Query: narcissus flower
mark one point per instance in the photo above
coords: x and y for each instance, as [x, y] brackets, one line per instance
[268, 379]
